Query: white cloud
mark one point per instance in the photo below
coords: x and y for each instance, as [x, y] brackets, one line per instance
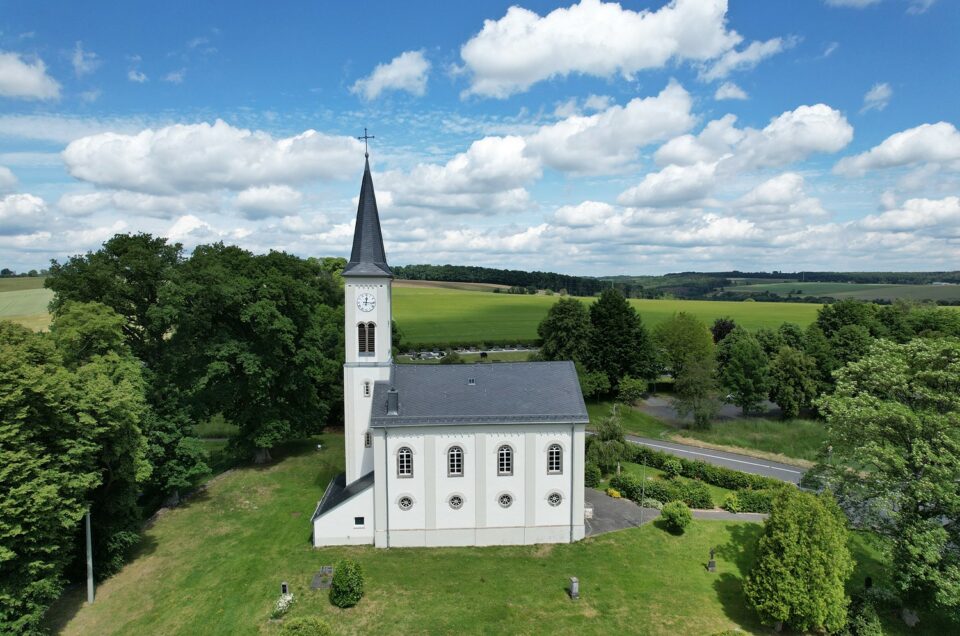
[26, 80]
[671, 185]
[927, 143]
[877, 97]
[597, 102]
[856, 4]
[729, 90]
[919, 6]
[748, 58]
[205, 157]
[271, 200]
[175, 77]
[138, 203]
[782, 196]
[919, 214]
[594, 38]
[62, 128]
[607, 141]
[136, 76]
[21, 212]
[91, 95]
[406, 72]
[584, 214]
[84, 62]
[7, 179]
[716, 139]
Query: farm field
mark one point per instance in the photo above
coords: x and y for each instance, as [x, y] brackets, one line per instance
[25, 305]
[20, 283]
[214, 565]
[855, 290]
[430, 315]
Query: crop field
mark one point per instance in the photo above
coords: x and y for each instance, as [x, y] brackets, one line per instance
[430, 315]
[26, 306]
[856, 290]
[18, 284]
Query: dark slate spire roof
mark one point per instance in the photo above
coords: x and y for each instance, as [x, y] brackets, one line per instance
[367, 257]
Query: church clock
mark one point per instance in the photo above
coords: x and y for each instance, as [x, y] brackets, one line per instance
[366, 302]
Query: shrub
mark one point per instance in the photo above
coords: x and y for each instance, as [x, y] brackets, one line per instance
[676, 515]
[613, 492]
[591, 475]
[695, 494]
[672, 468]
[283, 605]
[755, 500]
[715, 475]
[347, 586]
[863, 620]
[305, 626]
[732, 503]
[651, 503]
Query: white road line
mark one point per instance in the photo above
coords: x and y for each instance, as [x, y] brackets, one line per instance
[729, 459]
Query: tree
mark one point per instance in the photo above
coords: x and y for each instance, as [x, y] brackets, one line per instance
[682, 340]
[791, 334]
[850, 343]
[607, 448]
[565, 331]
[830, 318]
[721, 328]
[677, 516]
[793, 384]
[592, 383]
[896, 413]
[346, 589]
[802, 564]
[816, 345]
[770, 341]
[695, 393]
[744, 375]
[619, 342]
[631, 389]
[258, 339]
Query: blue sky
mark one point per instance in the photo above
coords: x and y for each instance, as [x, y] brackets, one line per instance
[594, 138]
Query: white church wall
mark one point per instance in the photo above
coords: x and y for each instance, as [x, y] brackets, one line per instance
[463, 486]
[499, 485]
[338, 526]
[399, 487]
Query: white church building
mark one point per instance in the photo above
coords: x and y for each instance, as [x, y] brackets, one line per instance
[446, 455]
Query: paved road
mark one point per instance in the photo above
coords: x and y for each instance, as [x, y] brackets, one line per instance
[744, 463]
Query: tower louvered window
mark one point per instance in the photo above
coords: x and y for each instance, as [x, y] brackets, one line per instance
[366, 338]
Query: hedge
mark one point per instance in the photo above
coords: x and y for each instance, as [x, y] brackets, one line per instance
[694, 494]
[755, 500]
[708, 473]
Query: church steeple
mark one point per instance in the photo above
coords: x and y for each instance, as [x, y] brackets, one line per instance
[367, 257]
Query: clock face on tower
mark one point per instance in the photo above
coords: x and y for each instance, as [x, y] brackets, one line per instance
[366, 302]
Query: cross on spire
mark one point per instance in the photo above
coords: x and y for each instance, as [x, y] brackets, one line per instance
[365, 137]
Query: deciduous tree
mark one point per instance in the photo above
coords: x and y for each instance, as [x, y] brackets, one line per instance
[744, 372]
[619, 342]
[682, 340]
[793, 384]
[565, 331]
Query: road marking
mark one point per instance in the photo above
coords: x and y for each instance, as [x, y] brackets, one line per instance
[729, 459]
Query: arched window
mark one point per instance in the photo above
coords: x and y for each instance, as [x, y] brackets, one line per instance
[371, 338]
[366, 338]
[455, 462]
[362, 338]
[554, 459]
[504, 460]
[404, 462]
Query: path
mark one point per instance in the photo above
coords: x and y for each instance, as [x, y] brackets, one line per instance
[611, 514]
[743, 463]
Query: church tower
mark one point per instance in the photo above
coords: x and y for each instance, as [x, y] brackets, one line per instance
[367, 311]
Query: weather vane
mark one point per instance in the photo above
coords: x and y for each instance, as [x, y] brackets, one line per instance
[365, 137]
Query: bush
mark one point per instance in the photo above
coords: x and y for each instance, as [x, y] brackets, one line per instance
[755, 500]
[677, 516]
[305, 626]
[283, 605]
[347, 586]
[591, 475]
[613, 492]
[708, 473]
[651, 503]
[863, 620]
[672, 468]
[695, 494]
[732, 503]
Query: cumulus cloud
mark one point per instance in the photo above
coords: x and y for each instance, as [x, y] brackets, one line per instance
[856, 4]
[781, 196]
[606, 141]
[7, 179]
[919, 214]
[406, 72]
[21, 212]
[927, 143]
[729, 90]
[584, 214]
[138, 203]
[271, 200]
[207, 157]
[23, 79]
[748, 58]
[137, 76]
[716, 139]
[522, 48]
[674, 184]
[84, 62]
[62, 128]
[877, 97]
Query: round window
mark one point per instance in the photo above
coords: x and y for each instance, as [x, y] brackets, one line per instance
[405, 503]
[554, 499]
[505, 501]
[456, 502]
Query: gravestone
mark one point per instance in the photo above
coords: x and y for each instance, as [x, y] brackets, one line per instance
[284, 589]
[574, 588]
[712, 563]
[323, 579]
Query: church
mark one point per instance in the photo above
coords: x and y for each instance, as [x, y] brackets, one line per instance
[446, 455]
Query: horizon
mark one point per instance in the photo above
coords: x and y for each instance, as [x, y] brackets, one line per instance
[669, 137]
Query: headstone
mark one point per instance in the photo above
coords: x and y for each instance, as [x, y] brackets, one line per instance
[588, 511]
[574, 588]
[712, 564]
[323, 579]
[284, 589]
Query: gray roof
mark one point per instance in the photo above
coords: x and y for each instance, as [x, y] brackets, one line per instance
[500, 393]
[338, 491]
[367, 257]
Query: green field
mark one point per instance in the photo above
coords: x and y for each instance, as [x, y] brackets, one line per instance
[799, 439]
[214, 566]
[434, 315]
[20, 283]
[26, 306]
[856, 290]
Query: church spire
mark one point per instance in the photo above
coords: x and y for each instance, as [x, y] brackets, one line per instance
[368, 257]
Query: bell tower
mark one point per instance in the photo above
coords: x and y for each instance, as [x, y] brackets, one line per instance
[367, 315]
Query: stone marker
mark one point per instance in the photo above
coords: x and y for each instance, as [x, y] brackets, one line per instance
[284, 589]
[574, 588]
[712, 564]
[323, 579]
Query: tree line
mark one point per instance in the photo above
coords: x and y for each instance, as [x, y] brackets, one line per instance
[145, 342]
[573, 285]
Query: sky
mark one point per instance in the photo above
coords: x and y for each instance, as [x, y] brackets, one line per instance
[594, 138]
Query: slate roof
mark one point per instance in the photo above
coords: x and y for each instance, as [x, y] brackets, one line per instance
[338, 491]
[501, 393]
[367, 257]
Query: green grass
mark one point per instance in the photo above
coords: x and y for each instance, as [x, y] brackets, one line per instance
[21, 283]
[717, 493]
[25, 305]
[801, 439]
[215, 427]
[863, 291]
[430, 315]
[634, 422]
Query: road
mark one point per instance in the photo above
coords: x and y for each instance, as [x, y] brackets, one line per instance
[744, 463]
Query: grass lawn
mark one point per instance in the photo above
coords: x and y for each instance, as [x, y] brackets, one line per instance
[634, 422]
[800, 439]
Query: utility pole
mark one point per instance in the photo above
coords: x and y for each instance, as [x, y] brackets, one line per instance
[89, 562]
